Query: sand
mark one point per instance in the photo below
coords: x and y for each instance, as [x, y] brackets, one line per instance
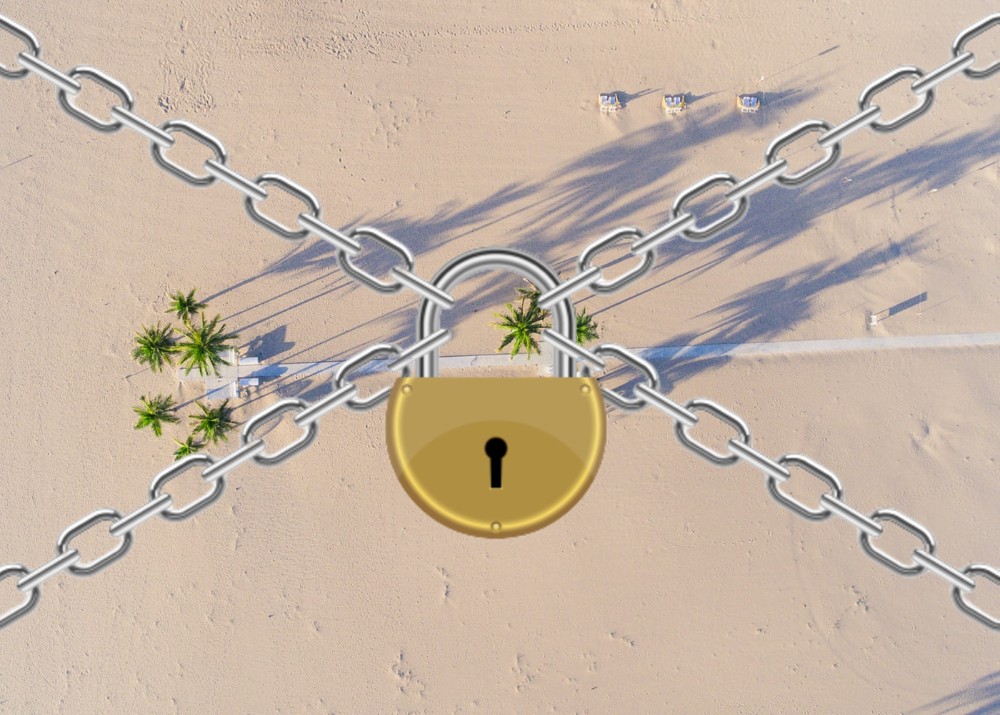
[675, 585]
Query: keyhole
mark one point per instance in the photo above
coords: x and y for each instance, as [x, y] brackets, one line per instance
[496, 448]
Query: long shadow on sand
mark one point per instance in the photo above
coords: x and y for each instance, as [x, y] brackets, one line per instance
[765, 310]
[611, 185]
[586, 193]
[981, 697]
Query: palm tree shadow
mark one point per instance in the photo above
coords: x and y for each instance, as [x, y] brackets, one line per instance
[981, 697]
[766, 310]
[692, 98]
[626, 97]
[638, 174]
[269, 344]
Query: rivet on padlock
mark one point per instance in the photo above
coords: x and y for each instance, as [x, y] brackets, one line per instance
[496, 457]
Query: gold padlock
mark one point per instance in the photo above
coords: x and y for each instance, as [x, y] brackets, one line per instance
[496, 457]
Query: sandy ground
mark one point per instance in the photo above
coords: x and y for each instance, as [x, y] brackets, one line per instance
[675, 585]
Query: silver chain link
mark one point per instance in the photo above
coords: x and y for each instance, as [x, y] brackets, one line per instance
[348, 247]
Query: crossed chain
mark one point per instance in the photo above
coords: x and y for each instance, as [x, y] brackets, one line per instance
[642, 245]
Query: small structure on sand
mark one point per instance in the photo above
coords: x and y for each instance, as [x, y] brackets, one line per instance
[609, 101]
[674, 103]
[235, 379]
[748, 103]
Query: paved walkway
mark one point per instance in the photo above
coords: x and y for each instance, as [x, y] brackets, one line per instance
[660, 354]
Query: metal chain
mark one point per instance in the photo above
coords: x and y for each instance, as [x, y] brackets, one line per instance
[348, 245]
[213, 471]
[683, 224]
[647, 393]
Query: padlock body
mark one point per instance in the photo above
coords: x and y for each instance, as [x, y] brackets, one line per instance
[554, 430]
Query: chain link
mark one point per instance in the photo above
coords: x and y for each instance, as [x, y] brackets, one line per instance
[109, 83]
[304, 440]
[598, 284]
[250, 202]
[926, 99]
[248, 187]
[638, 364]
[572, 348]
[861, 120]
[944, 72]
[248, 450]
[906, 523]
[759, 179]
[62, 544]
[959, 596]
[817, 470]
[363, 357]
[809, 173]
[35, 49]
[177, 469]
[339, 240]
[148, 130]
[199, 135]
[958, 47]
[30, 601]
[386, 241]
[432, 342]
[147, 511]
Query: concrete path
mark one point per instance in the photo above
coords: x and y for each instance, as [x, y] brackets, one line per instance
[661, 354]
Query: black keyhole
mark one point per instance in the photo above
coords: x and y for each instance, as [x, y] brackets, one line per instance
[496, 448]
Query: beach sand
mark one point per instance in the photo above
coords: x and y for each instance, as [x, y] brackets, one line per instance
[675, 585]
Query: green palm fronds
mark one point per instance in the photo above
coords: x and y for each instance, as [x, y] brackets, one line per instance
[586, 328]
[185, 307]
[155, 346]
[213, 423]
[527, 321]
[522, 326]
[188, 446]
[203, 346]
[153, 412]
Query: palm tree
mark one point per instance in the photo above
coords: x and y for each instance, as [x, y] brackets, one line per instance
[188, 446]
[213, 422]
[586, 328]
[203, 346]
[155, 411]
[522, 325]
[155, 345]
[185, 306]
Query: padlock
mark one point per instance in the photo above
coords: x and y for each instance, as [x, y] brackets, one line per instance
[496, 457]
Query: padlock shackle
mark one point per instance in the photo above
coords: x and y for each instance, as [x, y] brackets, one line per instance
[477, 261]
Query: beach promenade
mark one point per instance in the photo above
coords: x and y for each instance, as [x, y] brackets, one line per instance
[219, 387]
